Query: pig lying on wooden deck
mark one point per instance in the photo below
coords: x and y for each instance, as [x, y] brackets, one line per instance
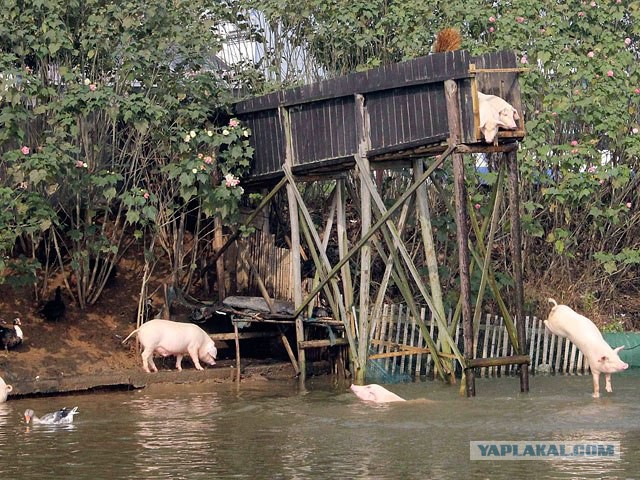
[495, 113]
[174, 338]
[565, 322]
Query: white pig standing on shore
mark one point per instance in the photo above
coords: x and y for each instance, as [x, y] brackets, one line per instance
[565, 322]
[174, 338]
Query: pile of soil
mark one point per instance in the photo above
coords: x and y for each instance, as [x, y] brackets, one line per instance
[83, 342]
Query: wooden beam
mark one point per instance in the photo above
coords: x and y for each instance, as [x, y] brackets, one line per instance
[322, 343]
[343, 248]
[388, 269]
[400, 353]
[497, 361]
[487, 148]
[496, 203]
[324, 279]
[287, 347]
[431, 258]
[295, 238]
[241, 335]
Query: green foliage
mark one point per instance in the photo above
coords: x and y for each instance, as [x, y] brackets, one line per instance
[614, 326]
[581, 93]
[104, 94]
[97, 98]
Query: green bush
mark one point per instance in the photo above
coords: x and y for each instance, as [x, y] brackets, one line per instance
[111, 127]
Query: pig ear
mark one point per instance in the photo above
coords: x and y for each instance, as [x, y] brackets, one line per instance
[617, 349]
[515, 115]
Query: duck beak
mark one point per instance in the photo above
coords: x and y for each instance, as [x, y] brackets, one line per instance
[27, 418]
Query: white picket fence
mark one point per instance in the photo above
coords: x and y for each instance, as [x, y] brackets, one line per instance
[399, 349]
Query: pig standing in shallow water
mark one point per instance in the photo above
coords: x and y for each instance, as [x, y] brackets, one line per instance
[581, 331]
[375, 393]
[174, 338]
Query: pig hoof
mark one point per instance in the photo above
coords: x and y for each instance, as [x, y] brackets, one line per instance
[596, 395]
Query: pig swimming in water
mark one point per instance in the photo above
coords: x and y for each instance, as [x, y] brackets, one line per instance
[174, 338]
[375, 393]
[581, 331]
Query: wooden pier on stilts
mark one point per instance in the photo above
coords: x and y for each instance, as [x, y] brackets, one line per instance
[341, 134]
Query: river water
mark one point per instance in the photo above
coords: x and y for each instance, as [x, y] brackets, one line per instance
[276, 430]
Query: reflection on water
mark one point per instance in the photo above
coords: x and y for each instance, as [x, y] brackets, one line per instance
[275, 430]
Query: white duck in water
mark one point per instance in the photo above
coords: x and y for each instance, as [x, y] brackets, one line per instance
[63, 416]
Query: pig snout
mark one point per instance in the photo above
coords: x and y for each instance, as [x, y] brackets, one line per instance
[618, 366]
[614, 363]
[612, 366]
[211, 354]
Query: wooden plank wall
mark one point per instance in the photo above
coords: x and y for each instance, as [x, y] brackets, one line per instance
[399, 348]
[267, 139]
[324, 129]
[405, 102]
[406, 117]
[272, 263]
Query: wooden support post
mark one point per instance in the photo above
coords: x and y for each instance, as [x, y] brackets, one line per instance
[430, 253]
[460, 193]
[295, 243]
[362, 125]
[324, 278]
[388, 269]
[397, 243]
[237, 341]
[496, 202]
[516, 260]
[287, 347]
[345, 271]
[217, 246]
[379, 223]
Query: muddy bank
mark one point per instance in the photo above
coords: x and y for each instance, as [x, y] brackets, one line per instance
[224, 371]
